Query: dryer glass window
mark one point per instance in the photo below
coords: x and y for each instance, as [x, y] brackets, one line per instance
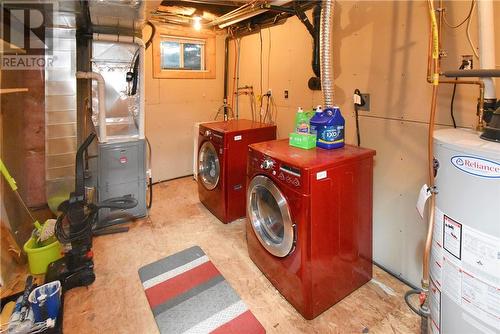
[270, 216]
[208, 166]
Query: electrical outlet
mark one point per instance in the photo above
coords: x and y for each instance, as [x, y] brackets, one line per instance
[467, 61]
[286, 94]
[366, 106]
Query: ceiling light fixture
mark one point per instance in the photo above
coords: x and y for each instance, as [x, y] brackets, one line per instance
[197, 23]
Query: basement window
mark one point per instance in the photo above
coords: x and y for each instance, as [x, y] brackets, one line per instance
[184, 54]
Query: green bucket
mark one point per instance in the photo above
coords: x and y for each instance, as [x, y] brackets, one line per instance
[39, 258]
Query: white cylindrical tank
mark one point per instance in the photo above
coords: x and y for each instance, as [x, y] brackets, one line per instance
[465, 257]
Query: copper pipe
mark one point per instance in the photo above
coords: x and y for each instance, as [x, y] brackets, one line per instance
[429, 57]
[430, 151]
[430, 182]
[480, 83]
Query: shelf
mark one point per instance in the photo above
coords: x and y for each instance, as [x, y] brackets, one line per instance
[13, 90]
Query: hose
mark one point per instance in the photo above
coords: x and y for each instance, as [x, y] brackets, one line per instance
[79, 232]
[410, 293]
[326, 52]
[122, 203]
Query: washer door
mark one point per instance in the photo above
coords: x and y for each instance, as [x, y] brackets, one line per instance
[208, 166]
[270, 216]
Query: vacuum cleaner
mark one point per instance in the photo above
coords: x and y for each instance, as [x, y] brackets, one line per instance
[76, 226]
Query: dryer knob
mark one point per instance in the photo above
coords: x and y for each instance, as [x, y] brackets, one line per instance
[208, 133]
[267, 164]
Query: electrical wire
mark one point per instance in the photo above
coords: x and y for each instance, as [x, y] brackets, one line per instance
[452, 114]
[451, 105]
[269, 58]
[467, 32]
[463, 21]
[261, 74]
[153, 33]
[356, 112]
[238, 78]
[358, 103]
[150, 158]
[134, 64]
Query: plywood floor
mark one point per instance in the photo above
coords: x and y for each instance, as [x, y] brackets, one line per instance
[115, 303]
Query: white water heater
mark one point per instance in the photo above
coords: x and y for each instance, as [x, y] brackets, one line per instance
[465, 256]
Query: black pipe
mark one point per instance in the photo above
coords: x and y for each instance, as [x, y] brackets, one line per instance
[316, 19]
[473, 73]
[304, 19]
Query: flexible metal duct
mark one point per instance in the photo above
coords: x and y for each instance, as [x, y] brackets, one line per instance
[326, 52]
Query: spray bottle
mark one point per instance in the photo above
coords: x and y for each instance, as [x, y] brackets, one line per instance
[301, 122]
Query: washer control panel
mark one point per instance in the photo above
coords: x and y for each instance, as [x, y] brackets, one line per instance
[211, 135]
[285, 173]
[267, 164]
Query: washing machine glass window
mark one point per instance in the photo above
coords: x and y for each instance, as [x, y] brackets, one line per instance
[208, 166]
[270, 216]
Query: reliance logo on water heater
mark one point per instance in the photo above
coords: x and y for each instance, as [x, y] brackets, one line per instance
[477, 166]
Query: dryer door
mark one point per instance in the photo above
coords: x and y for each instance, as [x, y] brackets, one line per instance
[208, 166]
[270, 216]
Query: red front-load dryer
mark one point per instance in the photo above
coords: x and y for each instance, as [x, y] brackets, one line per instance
[222, 157]
[309, 226]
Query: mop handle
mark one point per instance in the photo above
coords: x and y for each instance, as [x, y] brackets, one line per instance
[10, 180]
[12, 183]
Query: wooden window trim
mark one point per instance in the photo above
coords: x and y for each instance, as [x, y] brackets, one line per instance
[209, 59]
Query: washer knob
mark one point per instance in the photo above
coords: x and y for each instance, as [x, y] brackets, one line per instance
[208, 133]
[267, 164]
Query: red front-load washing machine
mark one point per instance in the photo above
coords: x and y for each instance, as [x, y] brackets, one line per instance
[222, 157]
[309, 226]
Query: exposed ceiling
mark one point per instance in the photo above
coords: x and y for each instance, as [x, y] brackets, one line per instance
[129, 16]
[214, 14]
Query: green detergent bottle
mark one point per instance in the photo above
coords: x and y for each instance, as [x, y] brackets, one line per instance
[301, 121]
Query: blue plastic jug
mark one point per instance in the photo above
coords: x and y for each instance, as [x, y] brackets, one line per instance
[317, 121]
[330, 130]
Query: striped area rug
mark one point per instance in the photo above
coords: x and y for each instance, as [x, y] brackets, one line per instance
[187, 294]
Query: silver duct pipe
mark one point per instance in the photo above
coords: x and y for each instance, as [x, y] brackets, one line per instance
[101, 99]
[326, 23]
[486, 32]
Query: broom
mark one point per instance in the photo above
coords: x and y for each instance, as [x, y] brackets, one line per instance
[42, 233]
